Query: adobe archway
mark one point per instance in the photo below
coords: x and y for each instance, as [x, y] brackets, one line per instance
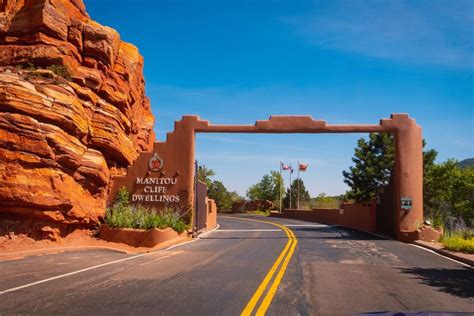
[178, 154]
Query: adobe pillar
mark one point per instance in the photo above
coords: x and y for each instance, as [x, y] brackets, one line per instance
[408, 175]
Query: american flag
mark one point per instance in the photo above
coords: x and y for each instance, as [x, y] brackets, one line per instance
[284, 167]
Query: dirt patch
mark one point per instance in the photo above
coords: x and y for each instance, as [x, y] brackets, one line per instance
[364, 252]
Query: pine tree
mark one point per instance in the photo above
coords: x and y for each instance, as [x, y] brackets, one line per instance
[293, 191]
[373, 166]
[374, 161]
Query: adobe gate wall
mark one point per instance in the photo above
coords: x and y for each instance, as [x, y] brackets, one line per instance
[353, 215]
[164, 177]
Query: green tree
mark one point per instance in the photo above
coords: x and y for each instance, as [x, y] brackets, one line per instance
[236, 197]
[293, 191]
[278, 187]
[325, 201]
[429, 196]
[262, 190]
[373, 166]
[218, 192]
[268, 188]
[448, 188]
[449, 191]
[204, 175]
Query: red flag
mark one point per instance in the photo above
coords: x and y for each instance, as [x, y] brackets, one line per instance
[303, 166]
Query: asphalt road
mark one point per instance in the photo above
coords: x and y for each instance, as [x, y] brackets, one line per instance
[332, 271]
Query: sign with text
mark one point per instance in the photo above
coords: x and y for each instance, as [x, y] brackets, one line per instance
[155, 180]
[155, 190]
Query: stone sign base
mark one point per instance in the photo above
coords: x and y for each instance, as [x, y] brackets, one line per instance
[140, 237]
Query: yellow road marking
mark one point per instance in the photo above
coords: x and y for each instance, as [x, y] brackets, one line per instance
[284, 256]
[271, 292]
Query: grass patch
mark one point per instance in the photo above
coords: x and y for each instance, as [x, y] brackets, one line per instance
[259, 212]
[460, 240]
[457, 243]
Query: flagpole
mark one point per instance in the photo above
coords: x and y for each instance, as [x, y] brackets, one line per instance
[291, 171]
[298, 184]
[279, 185]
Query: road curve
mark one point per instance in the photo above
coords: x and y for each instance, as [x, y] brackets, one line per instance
[332, 271]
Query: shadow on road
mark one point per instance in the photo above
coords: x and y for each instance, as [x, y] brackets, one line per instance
[458, 282]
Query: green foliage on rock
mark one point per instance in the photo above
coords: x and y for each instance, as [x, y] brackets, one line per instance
[61, 71]
[39, 71]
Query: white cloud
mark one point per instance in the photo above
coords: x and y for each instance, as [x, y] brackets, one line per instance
[420, 32]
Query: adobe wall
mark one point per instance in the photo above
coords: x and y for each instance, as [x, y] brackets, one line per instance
[170, 186]
[360, 216]
[353, 215]
[211, 221]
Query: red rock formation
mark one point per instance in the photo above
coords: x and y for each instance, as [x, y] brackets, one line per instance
[64, 129]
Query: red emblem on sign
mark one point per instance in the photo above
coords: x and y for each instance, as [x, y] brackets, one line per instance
[155, 163]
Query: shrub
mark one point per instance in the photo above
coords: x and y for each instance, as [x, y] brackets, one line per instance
[60, 71]
[30, 66]
[123, 196]
[121, 215]
[457, 243]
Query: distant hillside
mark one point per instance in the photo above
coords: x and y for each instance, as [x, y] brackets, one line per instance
[467, 162]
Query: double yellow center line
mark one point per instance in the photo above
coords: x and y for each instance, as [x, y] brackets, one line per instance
[278, 268]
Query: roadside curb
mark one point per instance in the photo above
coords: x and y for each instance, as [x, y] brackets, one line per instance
[6, 256]
[446, 253]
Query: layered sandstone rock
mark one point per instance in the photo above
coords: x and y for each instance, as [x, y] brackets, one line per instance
[73, 110]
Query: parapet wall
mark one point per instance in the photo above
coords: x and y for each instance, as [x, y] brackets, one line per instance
[353, 215]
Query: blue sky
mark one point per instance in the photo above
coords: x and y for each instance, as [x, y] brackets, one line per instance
[342, 61]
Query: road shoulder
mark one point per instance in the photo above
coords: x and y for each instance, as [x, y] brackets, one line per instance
[438, 248]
